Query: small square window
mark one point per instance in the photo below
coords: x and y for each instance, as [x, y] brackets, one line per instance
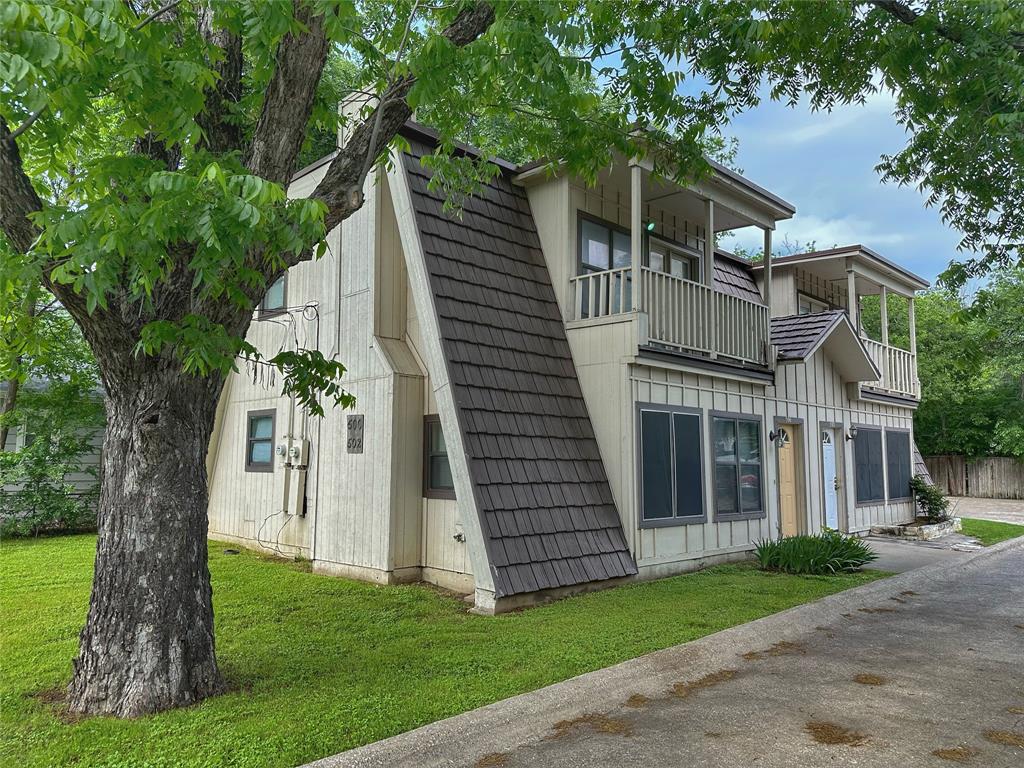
[259, 444]
[276, 298]
[437, 472]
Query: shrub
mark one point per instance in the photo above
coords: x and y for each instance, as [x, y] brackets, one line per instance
[825, 553]
[931, 502]
[36, 496]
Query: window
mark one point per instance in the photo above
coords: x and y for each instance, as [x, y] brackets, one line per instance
[603, 246]
[897, 460]
[437, 472]
[867, 459]
[671, 477]
[738, 476]
[259, 444]
[805, 305]
[275, 300]
[663, 257]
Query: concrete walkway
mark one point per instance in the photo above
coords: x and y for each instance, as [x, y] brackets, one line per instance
[914, 670]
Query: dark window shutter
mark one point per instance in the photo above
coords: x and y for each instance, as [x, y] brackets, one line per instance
[656, 460]
[867, 454]
[689, 498]
[897, 456]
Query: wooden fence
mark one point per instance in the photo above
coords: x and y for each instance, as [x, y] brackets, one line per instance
[988, 478]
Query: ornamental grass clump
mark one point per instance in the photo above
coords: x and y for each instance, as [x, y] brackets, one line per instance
[822, 554]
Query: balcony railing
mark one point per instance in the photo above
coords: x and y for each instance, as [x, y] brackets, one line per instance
[898, 367]
[682, 314]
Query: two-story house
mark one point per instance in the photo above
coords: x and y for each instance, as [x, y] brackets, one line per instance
[562, 387]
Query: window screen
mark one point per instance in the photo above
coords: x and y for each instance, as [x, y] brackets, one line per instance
[867, 457]
[259, 444]
[898, 463]
[738, 476]
[671, 483]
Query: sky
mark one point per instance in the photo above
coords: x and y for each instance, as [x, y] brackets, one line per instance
[823, 163]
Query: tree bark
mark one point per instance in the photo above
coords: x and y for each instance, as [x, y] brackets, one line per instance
[148, 643]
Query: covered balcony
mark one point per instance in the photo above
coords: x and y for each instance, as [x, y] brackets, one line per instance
[881, 309]
[642, 248]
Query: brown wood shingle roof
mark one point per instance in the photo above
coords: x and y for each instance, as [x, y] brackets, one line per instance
[545, 506]
[797, 335]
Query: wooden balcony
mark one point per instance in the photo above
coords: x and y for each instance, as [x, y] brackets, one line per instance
[681, 315]
[898, 367]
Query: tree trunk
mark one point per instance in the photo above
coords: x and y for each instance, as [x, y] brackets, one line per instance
[148, 640]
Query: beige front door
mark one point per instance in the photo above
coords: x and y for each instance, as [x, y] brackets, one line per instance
[789, 506]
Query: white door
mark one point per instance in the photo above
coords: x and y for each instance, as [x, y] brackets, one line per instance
[830, 478]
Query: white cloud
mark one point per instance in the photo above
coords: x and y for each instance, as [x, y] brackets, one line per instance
[816, 125]
[823, 232]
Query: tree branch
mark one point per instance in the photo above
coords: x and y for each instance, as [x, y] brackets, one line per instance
[341, 189]
[903, 13]
[221, 133]
[157, 13]
[288, 103]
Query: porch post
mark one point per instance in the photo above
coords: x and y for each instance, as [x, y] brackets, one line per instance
[913, 342]
[883, 310]
[636, 233]
[768, 293]
[709, 276]
[852, 305]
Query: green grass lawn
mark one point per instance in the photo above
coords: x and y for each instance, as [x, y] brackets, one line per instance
[320, 665]
[990, 532]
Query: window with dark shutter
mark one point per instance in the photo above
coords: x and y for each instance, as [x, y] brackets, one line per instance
[867, 457]
[898, 463]
[671, 476]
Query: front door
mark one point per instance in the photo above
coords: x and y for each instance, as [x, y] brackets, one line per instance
[830, 479]
[789, 517]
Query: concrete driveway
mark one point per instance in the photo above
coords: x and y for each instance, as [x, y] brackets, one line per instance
[920, 669]
[1002, 510]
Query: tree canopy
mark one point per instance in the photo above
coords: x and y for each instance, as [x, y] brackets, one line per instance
[971, 365]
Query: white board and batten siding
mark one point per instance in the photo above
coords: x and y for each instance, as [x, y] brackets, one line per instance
[366, 516]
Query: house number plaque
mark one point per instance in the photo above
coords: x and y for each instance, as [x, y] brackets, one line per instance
[355, 434]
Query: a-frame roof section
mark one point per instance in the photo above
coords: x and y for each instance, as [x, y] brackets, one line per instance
[545, 506]
[798, 337]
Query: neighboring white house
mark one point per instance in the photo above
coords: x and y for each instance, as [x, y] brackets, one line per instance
[565, 387]
[81, 482]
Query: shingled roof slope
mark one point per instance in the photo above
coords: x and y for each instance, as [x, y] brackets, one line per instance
[545, 506]
[733, 276]
[796, 336]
